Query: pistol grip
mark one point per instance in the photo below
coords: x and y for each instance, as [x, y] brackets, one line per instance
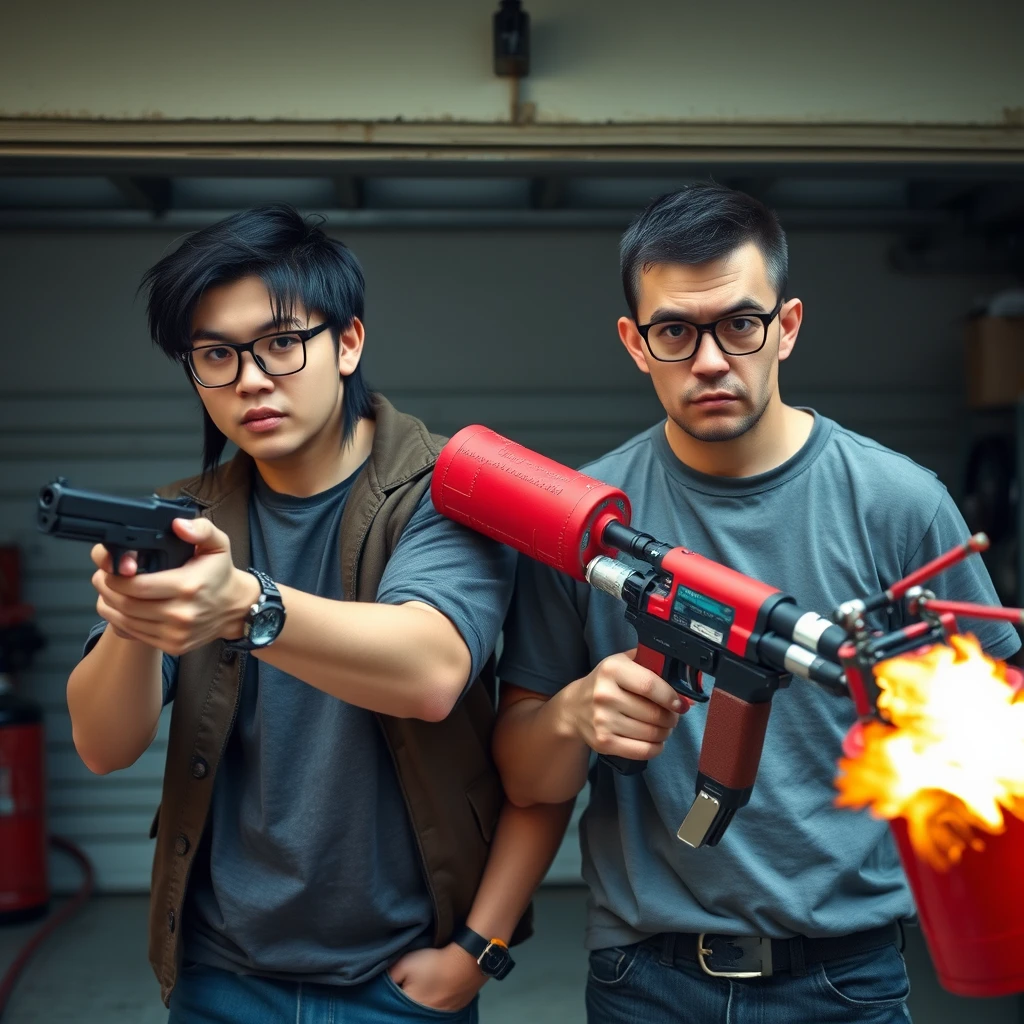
[729, 757]
[654, 661]
[730, 751]
[650, 659]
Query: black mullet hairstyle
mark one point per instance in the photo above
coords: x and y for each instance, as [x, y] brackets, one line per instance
[293, 257]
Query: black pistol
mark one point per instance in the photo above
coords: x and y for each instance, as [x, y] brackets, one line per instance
[119, 524]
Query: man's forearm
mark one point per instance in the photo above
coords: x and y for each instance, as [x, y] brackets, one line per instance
[115, 695]
[403, 660]
[525, 843]
[541, 758]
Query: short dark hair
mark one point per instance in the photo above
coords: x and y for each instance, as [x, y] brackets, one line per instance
[294, 258]
[700, 223]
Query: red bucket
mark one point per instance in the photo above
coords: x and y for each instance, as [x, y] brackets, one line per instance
[973, 914]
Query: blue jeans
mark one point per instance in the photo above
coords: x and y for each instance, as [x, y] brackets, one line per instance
[632, 984]
[206, 995]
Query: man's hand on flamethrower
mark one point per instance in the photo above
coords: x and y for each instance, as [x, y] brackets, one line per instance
[623, 709]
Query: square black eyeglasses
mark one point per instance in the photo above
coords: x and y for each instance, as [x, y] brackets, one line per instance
[219, 364]
[672, 340]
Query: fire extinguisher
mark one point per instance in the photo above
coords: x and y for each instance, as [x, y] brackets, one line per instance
[24, 878]
[24, 884]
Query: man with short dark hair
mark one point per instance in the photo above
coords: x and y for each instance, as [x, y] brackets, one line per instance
[329, 798]
[784, 495]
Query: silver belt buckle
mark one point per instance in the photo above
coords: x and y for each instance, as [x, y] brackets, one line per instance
[750, 949]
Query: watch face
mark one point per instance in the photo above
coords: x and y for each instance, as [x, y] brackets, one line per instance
[266, 624]
[493, 959]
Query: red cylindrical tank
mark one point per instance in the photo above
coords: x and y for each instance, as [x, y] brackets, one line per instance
[972, 915]
[24, 882]
[535, 505]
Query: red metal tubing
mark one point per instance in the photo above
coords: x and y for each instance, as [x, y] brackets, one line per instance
[979, 542]
[973, 611]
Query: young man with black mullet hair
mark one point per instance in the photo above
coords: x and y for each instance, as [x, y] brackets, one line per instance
[331, 842]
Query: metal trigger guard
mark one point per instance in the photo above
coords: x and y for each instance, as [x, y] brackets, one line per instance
[685, 679]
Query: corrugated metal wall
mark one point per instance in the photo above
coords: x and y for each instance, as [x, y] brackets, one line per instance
[512, 329]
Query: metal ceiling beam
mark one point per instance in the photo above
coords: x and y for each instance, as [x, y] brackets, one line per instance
[333, 163]
[804, 135]
[279, 147]
[465, 219]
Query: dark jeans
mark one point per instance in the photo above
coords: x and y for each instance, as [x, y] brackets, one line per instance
[631, 985]
[205, 995]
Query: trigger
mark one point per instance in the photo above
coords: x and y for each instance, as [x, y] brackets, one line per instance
[694, 679]
[691, 684]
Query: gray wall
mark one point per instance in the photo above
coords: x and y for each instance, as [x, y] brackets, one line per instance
[514, 329]
[594, 61]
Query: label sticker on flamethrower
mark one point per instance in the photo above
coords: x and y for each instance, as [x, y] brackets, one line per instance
[702, 615]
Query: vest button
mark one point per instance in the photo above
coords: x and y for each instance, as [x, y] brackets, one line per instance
[228, 655]
[181, 845]
[170, 921]
[199, 768]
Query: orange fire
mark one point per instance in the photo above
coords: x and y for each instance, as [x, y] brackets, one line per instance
[952, 761]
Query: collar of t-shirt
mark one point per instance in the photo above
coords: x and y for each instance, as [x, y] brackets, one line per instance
[287, 502]
[744, 485]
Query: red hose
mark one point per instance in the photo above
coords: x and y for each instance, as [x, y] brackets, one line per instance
[66, 912]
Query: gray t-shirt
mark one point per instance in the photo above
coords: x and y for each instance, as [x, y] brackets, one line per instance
[843, 518]
[308, 869]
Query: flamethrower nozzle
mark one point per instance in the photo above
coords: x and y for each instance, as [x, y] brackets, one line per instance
[799, 661]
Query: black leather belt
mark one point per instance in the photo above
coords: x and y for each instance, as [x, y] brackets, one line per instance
[747, 956]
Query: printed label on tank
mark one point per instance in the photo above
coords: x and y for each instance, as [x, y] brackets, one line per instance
[702, 615]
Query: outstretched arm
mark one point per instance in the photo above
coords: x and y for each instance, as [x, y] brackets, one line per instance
[406, 660]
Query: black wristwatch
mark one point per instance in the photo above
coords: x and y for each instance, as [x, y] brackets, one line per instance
[265, 620]
[491, 955]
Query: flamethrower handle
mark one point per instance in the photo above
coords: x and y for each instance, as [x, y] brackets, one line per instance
[730, 755]
[668, 668]
[733, 738]
[730, 751]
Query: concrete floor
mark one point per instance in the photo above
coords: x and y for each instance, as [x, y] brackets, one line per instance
[94, 971]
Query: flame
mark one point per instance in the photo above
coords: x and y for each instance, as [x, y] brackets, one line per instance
[952, 761]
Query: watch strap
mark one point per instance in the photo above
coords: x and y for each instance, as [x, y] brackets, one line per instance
[269, 594]
[268, 585]
[491, 955]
